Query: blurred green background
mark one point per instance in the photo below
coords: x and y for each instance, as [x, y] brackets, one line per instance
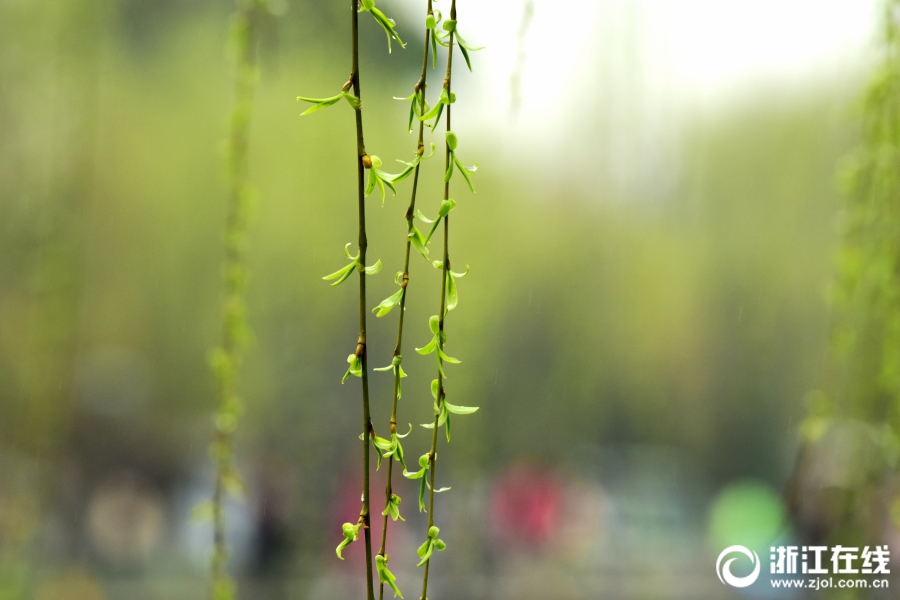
[645, 313]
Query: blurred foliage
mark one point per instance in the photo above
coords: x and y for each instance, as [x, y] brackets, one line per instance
[692, 320]
[851, 432]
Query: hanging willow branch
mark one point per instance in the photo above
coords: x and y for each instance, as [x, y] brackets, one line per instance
[449, 296]
[393, 446]
[358, 360]
[225, 360]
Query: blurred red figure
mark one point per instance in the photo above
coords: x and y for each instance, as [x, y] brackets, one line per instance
[526, 506]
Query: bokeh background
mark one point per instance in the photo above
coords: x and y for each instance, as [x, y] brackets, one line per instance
[645, 325]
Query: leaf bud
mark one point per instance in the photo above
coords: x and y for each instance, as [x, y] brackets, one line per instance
[452, 141]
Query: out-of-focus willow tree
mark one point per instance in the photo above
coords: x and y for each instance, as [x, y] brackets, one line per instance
[851, 435]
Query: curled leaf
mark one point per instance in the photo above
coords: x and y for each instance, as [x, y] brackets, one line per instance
[374, 269]
[351, 534]
[461, 410]
[342, 274]
[318, 103]
[385, 576]
[386, 306]
[355, 367]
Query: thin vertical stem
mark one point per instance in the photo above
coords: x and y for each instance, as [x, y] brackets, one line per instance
[361, 164]
[432, 455]
[410, 215]
[227, 358]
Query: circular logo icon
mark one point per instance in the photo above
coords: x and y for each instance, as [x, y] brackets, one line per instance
[724, 570]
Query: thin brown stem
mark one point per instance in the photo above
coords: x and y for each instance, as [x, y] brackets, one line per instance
[361, 350]
[432, 455]
[410, 215]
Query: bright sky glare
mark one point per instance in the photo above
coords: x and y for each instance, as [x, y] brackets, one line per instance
[710, 47]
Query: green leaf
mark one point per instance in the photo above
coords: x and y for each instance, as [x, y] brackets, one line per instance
[418, 241]
[351, 534]
[429, 348]
[429, 549]
[449, 174]
[446, 207]
[355, 367]
[386, 306]
[434, 43]
[466, 172]
[461, 410]
[416, 475]
[385, 576]
[465, 54]
[422, 495]
[423, 549]
[452, 140]
[458, 275]
[393, 508]
[435, 388]
[387, 24]
[380, 457]
[398, 448]
[434, 324]
[449, 359]
[452, 294]
[374, 179]
[465, 48]
[342, 274]
[318, 103]
[374, 269]
[353, 100]
[466, 45]
[438, 109]
[442, 418]
[382, 443]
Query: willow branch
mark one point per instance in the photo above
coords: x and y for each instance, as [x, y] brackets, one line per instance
[362, 162]
[410, 215]
[432, 455]
[227, 358]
